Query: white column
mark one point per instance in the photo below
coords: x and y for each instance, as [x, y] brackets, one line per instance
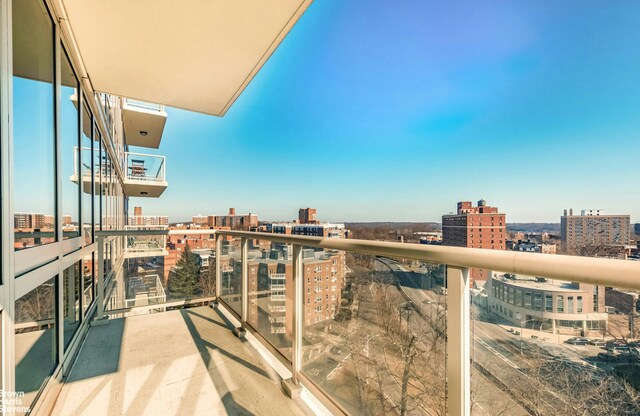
[218, 268]
[245, 281]
[458, 342]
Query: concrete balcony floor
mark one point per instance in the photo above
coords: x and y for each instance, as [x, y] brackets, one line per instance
[183, 362]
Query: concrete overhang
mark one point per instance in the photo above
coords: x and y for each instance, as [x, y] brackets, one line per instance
[197, 55]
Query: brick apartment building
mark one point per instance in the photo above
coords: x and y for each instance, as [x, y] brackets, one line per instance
[271, 285]
[479, 226]
[24, 221]
[232, 220]
[594, 227]
[307, 216]
[139, 219]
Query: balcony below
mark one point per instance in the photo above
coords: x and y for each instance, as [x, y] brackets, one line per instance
[143, 123]
[145, 175]
[181, 362]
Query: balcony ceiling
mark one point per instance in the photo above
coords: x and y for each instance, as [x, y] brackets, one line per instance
[197, 55]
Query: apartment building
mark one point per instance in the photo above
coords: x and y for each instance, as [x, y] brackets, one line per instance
[270, 277]
[547, 305]
[314, 230]
[233, 220]
[139, 219]
[480, 226]
[594, 228]
[200, 220]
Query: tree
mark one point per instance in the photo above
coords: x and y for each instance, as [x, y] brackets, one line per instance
[183, 282]
[207, 281]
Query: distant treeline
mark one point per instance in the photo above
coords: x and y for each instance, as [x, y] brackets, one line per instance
[534, 227]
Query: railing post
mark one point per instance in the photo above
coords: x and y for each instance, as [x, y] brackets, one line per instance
[458, 342]
[244, 297]
[218, 289]
[291, 386]
[100, 318]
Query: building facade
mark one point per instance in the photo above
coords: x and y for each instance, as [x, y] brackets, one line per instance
[547, 305]
[480, 226]
[593, 228]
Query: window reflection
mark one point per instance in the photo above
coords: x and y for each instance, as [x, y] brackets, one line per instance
[35, 350]
[87, 178]
[71, 301]
[70, 159]
[33, 118]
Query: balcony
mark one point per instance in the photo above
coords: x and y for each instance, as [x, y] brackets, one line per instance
[141, 246]
[397, 306]
[145, 175]
[143, 123]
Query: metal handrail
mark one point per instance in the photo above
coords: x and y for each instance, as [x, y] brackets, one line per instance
[610, 272]
[600, 271]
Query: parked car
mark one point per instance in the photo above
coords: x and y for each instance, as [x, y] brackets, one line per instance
[577, 341]
[619, 349]
[597, 342]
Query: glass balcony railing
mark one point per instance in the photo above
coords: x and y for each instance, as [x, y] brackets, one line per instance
[145, 168]
[373, 327]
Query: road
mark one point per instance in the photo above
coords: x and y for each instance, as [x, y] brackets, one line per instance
[496, 351]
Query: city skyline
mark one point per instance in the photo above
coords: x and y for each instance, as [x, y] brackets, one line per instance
[539, 102]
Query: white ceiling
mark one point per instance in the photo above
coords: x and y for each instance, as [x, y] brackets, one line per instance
[197, 55]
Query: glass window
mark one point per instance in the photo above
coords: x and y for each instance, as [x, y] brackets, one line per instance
[33, 125]
[579, 304]
[559, 303]
[35, 340]
[70, 135]
[537, 301]
[548, 301]
[97, 168]
[71, 301]
[88, 158]
[570, 304]
[527, 300]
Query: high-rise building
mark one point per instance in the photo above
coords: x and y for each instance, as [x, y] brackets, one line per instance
[593, 228]
[479, 226]
[636, 228]
[307, 216]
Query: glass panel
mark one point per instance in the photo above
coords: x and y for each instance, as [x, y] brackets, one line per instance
[571, 360]
[87, 176]
[270, 308]
[87, 273]
[158, 271]
[97, 174]
[70, 131]
[33, 124]
[35, 340]
[370, 326]
[71, 280]
[231, 274]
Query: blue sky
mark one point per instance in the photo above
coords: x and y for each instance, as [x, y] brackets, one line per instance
[394, 111]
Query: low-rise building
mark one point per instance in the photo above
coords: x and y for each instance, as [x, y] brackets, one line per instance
[548, 305]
